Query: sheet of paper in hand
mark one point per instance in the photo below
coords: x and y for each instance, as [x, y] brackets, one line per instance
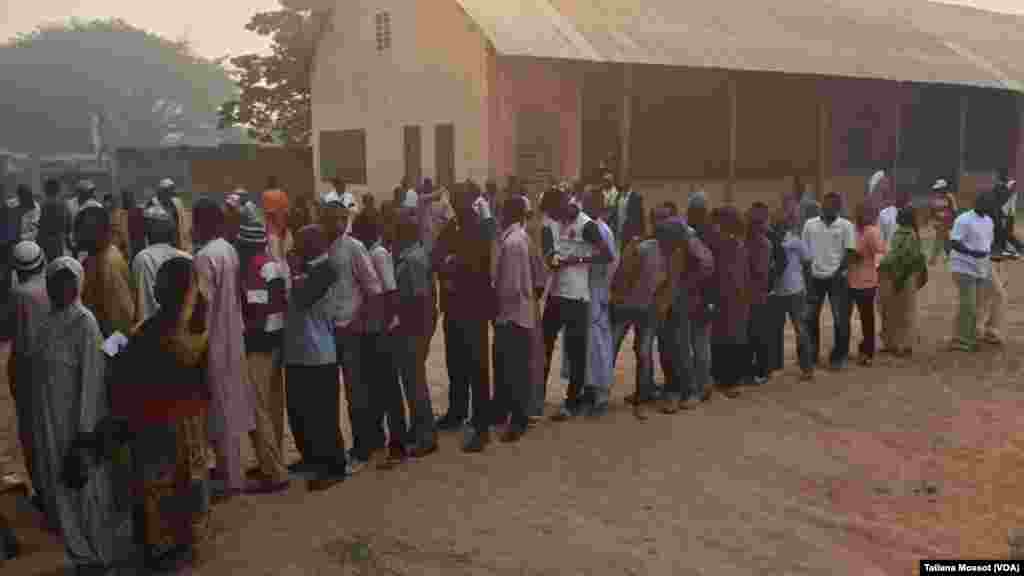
[113, 345]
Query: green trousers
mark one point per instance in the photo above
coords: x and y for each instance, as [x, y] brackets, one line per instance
[966, 328]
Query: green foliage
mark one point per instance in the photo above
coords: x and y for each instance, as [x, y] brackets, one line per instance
[274, 103]
[152, 91]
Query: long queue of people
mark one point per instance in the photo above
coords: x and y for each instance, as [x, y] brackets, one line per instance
[125, 374]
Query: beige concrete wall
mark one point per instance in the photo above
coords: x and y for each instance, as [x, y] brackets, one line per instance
[434, 73]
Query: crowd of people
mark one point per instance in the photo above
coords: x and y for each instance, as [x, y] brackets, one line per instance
[133, 353]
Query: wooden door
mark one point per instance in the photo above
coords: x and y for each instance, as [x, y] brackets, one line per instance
[413, 146]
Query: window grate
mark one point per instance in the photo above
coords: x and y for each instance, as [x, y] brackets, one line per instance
[383, 20]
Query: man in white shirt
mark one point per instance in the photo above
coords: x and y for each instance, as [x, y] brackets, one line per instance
[971, 241]
[160, 248]
[832, 241]
[568, 248]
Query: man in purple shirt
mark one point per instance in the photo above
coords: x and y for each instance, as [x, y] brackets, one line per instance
[642, 271]
[516, 294]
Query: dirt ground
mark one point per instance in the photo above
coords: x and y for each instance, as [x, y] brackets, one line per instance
[860, 473]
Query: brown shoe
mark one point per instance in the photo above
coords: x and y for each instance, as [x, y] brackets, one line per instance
[512, 434]
[322, 484]
[807, 376]
[669, 407]
[689, 404]
[731, 391]
[640, 412]
[424, 451]
[706, 396]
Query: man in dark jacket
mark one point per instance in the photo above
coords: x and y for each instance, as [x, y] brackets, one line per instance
[463, 249]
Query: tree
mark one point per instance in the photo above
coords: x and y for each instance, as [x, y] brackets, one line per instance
[145, 90]
[275, 90]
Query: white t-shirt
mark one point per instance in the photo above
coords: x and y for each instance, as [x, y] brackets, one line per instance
[828, 244]
[572, 282]
[975, 232]
[887, 223]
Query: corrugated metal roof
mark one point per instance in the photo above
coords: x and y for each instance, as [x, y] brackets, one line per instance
[991, 40]
[854, 38]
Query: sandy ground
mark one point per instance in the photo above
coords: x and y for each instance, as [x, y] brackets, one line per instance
[861, 473]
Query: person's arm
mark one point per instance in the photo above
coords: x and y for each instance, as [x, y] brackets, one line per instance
[91, 364]
[592, 234]
[547, 243]
[442, 248]
[850, 243]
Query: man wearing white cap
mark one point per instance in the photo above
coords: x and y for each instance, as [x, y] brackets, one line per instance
[85, 197]
[944, 209]
[31, 306]
[160, 248]
[356, 284]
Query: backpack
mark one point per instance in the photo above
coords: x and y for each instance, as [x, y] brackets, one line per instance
[779, 259]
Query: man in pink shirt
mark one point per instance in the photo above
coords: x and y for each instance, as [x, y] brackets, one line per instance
[863, 277]
[516, 296]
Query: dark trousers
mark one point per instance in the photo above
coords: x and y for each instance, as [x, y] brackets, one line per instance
[411, 355]
[642, 321]
[312, 395]
[574, 316]
[728, 372]
[471, 339]
[761, 335]
[511, 374]
[6, 310]
[864, 300]
[666, 341]
[366, 434]
[458, 392]
[385, 393]
[794, 306]
[836, 289]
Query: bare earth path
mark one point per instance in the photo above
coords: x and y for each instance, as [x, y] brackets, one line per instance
[859, 473]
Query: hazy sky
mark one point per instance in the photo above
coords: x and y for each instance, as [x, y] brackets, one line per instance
[216, 27]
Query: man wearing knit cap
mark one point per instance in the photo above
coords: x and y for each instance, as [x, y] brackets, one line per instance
[31, 306]
[159, 227]
[263, 309]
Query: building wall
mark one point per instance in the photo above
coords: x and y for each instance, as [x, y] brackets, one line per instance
[435, 72]
[220, 174]
[523, 86]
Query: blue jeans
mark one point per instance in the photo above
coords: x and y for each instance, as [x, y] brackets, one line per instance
[837, 290]
[689, 343]
[642, 321]
[794, 306]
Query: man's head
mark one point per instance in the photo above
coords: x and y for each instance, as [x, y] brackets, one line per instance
[515, 209]
[92, 229]
[165, 190]
[51, 188]
[208, 220]
[465, 195]
[85, 190]
[830, 207]
[25, 199]
[28, 259]
[407, 230]
[594, 204]
[63, 282]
